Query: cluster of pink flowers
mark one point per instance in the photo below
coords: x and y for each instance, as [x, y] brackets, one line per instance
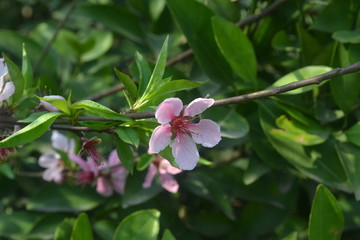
[180, 128]
[109, 176]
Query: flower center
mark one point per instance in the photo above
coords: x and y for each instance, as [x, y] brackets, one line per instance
[180, 125]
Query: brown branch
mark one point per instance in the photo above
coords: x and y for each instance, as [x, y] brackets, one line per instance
[58, 28]
[107, 92]
[7, 122]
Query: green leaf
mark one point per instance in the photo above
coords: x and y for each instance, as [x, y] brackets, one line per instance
[301, 74]
[7, 171]
[62, 104]
[234, 125]
[100, 110]
[294, 153]
[159, 69]
[167, 88]
[26, 69]
[125, 154]
[32, 117]
[17, 77]
[145, 73]
[197, 28]
[291, 236]
[144, 161]
[31, 132]
[349, 156]
[345, 89]
[45, 226]
[174, 86]
[64, 230]
[116, 18]
[135, 194]
[140, 225]
[299, 133]
[168, 235]
[128, 135]
[326, 219]
[353, 134]
[347, 36]
[64, 198]
[129, 85]
[327, 21]
[17, 224]
[236, 48]
[96, 45]
[82, 228]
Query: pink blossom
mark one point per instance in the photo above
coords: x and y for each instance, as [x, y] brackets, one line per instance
[54, 167]
[178, 130]
[108, 177]
[49, 106]
[52, 160]
[162, 167]
[6, 89]
[89, 170]
[112, 177]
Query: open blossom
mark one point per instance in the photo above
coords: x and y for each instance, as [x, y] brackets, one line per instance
[6, 89]
[52, 160]
[162, 167]
[108, 177]
[113, 176]
[179, 130]
[49, 106]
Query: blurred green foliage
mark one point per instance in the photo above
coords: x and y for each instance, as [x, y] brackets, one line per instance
[260, 182]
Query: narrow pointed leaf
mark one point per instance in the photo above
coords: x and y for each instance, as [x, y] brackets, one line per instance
[326, 219]
[125, 154]
[128, 83]
[17, 77]
[100, 110]
[31, 132]
[145, 73]
[82, 228]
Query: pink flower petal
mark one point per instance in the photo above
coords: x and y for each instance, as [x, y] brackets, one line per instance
[206, 133]
[103, 187]
[49, 159]
[197, 106]
[185, 152]
[53, 174]
[160, 138]
[8, 91]
[169, 183]
[61, 142]
[168, 110]
[81, 162]
[152, 170]
[114, 158]
[166, 167]
[118, 179]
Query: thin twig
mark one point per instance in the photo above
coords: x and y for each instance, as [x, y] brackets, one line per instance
[107, 92]
[58, 28]
[7, 122]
